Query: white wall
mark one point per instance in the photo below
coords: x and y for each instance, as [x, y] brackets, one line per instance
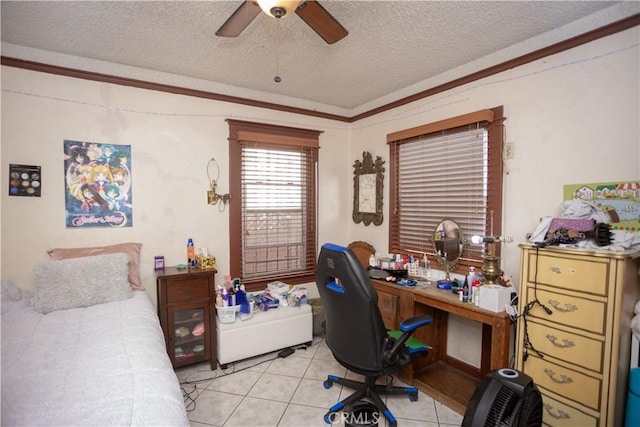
[172, 138]
[572, 118]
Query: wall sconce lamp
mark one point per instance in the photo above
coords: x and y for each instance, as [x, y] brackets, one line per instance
[213, 198]
[491, 265]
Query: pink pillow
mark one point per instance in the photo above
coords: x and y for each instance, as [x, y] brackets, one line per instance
[131, 249]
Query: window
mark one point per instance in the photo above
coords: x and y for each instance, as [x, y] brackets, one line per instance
[272, 211]
[451, 169]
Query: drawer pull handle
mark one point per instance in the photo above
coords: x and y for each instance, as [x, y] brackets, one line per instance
[562, 380]
[555, 270]
[567, 307]
[187, 290]
[559, 414]
[564, 344]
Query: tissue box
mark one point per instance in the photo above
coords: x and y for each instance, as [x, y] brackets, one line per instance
[206, 262]
[495, 297]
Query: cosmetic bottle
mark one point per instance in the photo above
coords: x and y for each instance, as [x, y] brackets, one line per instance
[426, 265]
[464, 293]
[191, 253]
[225, 297]
[472, 276]
[372, 260]
[476, 292]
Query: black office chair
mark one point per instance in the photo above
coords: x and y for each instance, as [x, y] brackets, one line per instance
[356, 335]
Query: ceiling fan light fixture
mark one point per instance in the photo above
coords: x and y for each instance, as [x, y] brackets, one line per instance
[279, 8]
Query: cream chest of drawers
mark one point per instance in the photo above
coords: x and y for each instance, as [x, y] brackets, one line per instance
[577, 350]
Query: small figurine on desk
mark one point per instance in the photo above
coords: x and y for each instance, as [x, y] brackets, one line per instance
[504, 280]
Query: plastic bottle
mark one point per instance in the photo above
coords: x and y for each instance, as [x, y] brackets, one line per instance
[476, 291]
[228, 283]
[191, 253]
[426, 265]
[372, 260]
[232, 297]
[464, 294]
[472, 276]
[225, 297]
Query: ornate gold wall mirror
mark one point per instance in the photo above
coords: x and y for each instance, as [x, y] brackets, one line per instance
[448, 242]
[368, 184]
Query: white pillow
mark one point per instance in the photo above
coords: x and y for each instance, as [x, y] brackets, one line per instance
[81, 282]
[132, 249]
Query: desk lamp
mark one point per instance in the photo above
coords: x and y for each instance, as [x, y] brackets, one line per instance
[491, 265]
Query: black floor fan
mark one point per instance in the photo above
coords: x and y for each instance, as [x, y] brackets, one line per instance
[504, 397]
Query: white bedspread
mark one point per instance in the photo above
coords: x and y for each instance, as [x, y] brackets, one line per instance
[101, 365]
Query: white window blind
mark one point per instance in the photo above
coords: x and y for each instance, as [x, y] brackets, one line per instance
[276, 190]
[442, 176]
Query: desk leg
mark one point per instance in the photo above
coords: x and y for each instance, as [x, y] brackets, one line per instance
[486, 360]
[496, 338]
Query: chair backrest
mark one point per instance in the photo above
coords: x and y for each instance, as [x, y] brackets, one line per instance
[355, 332]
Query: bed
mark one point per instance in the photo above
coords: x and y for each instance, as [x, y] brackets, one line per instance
[85, 349]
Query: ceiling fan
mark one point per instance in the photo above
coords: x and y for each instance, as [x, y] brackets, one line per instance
[310, 11]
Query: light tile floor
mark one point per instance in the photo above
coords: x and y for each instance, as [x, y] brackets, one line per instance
[289, 392]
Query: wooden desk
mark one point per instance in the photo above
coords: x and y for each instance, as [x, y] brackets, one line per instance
[446, 379]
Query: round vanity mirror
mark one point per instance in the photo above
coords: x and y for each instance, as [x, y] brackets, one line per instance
[448, 242]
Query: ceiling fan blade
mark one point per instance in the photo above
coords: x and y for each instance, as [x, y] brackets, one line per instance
[321, 21]
[239, 20]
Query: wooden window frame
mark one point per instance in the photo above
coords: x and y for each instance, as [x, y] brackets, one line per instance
[266, 135]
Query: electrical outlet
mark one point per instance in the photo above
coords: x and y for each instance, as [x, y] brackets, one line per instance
[508, 150]
[511, 310]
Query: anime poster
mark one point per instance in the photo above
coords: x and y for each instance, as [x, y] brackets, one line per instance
[97, 185]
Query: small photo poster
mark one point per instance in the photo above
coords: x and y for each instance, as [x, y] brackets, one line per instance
[98, 184]
[25, 180]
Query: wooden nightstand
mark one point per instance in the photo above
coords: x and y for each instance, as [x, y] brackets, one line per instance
[187, 314]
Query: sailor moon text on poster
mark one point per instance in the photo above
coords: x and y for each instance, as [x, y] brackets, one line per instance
[97, 184]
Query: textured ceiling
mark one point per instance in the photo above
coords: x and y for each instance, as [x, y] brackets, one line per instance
[394, 48]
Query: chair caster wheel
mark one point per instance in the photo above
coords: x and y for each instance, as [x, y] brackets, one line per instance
[327, 418]
[327, 384]
[413, 397]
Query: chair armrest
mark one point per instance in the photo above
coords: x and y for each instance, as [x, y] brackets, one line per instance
[407, 327]
[413, 323]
